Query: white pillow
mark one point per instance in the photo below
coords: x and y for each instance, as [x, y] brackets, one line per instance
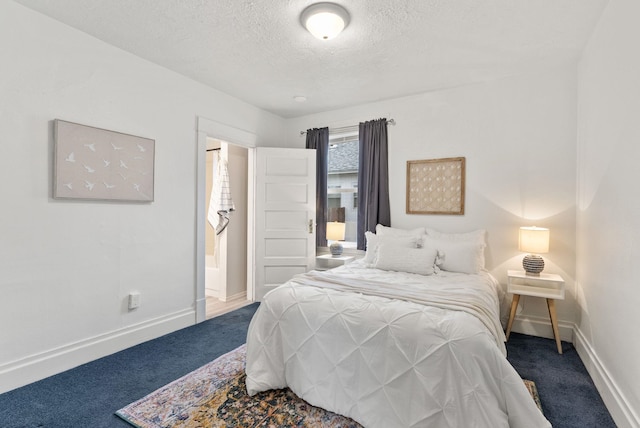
[394, 231]
[401, 259]
[457, 256]
[373, 241]
[476, 236]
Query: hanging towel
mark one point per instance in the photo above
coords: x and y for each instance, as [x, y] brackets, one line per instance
[221, 203]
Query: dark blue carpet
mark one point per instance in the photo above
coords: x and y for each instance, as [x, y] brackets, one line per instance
[569, 397]
[88, 396]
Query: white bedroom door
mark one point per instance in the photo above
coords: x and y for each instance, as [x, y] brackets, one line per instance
[285, 212]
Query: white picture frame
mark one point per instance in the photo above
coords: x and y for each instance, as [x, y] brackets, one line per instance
[93, 163]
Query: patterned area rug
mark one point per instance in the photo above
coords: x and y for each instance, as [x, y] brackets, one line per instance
[215, 396]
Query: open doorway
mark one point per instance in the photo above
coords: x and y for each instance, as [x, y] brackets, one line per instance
[242, 140]
[226, 250]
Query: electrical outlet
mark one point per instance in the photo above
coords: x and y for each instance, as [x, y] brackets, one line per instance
[134, 300]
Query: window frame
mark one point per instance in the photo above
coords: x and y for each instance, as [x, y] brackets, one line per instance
[336, 138]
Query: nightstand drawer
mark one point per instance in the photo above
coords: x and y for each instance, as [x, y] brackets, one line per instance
[550, 286]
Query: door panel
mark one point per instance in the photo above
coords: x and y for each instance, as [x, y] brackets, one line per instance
[280, 274]
[288, 166]
[289, 193]
[284, 220]
[285, 247]
[285, 203]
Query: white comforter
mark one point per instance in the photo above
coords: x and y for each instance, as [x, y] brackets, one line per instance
[390, 349]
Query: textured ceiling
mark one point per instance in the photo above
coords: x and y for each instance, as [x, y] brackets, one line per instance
[257, 50]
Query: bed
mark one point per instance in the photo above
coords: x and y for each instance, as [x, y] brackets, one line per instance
[394, 339]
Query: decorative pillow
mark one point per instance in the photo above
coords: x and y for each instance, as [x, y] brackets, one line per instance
[401, 259]
[373, 241]
[394, 231]
[457, 256]
[476, 236]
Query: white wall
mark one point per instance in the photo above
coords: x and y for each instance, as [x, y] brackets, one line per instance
[609, 210]
[518, 136]
[236, 234]
[68, 266]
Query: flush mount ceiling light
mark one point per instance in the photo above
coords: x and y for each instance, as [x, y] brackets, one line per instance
[325, 20]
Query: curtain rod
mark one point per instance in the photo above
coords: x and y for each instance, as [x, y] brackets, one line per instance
[348, 128]
[213, 150]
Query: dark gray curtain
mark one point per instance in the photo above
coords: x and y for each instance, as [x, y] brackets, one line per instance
[373, 179]
[318, 138]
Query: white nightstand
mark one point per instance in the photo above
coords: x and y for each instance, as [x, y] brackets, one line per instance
[327, 261]
[548, 285]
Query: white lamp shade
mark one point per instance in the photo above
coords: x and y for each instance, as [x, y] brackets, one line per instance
[534, 240]
[325, 20]
[335, 231]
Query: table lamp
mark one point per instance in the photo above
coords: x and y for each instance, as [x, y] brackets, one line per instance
[533, 240]
[335, 233]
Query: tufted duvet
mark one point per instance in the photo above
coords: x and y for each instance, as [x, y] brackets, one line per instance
[390, 349]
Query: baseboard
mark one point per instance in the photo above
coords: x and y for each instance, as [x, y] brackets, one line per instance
[44, 364]
[201, 310]
[238, 296]
[623, 414]
[541, 327]
[209, 292]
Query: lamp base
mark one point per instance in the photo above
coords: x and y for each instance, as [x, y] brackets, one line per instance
[336, 249]
[533, 264]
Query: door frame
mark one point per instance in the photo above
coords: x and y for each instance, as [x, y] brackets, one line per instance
[207, 128]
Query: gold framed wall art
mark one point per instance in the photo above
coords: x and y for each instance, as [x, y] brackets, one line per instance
[436, 186]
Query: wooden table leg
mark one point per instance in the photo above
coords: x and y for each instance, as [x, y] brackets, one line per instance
[512, 313]
[551, 304]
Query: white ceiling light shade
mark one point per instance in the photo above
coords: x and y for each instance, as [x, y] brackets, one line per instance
[325, 20]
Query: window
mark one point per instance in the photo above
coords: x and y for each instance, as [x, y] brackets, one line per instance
[342, 183]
